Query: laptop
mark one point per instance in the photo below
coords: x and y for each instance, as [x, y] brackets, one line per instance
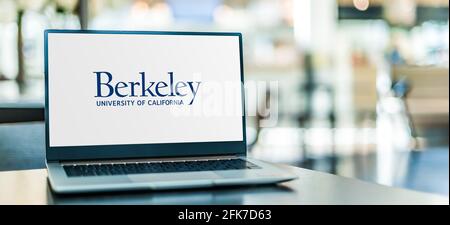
[141, 110]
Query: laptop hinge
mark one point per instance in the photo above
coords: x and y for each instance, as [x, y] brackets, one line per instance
[139, 160]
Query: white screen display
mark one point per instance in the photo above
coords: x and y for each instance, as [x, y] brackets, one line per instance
[110, 89]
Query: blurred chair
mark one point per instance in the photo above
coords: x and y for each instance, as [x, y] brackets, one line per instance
[425, 93]
[428, 97]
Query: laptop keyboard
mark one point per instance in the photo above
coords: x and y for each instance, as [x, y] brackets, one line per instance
[156, 167]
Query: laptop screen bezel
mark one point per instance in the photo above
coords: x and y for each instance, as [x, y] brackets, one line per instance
[142, 150]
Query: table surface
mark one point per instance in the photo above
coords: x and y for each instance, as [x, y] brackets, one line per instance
[312, 187]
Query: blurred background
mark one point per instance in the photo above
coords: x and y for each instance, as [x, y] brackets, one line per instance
[362, 84]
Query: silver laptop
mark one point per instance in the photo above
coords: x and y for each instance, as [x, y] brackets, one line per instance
[132, 110]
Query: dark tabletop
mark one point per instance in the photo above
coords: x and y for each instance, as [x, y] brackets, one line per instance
[22, 146]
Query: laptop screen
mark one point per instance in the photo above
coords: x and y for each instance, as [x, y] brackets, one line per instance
[122, 89]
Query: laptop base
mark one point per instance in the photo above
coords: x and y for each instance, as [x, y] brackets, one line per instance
[265, 174]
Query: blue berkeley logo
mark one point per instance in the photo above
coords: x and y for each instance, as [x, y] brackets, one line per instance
[167, 92]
